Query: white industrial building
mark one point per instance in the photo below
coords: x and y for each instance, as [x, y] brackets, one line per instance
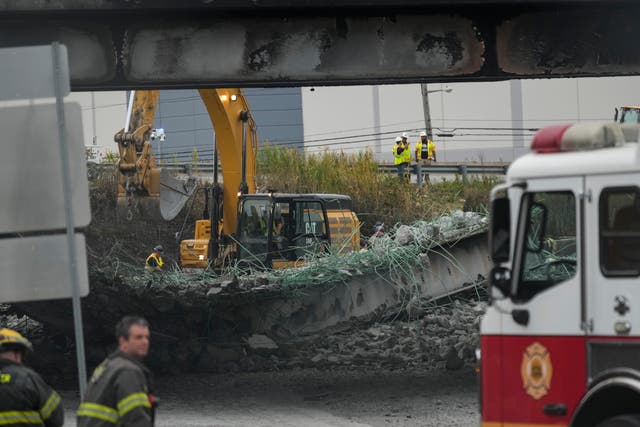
[484, 121]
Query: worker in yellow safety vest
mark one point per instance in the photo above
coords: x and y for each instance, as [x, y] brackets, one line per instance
[407, 148]
[399, 157]
[25, 399]
[154, 261]
[425, 154]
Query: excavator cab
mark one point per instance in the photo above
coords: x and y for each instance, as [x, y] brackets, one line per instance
[279, 230]
[627, 114]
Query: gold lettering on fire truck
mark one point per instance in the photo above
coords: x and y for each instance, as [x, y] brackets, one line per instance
[536, 370]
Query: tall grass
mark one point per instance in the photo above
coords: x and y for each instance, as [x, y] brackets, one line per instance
[376, 196]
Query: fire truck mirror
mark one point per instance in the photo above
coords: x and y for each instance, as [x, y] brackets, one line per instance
[499, 236]
[501, 279]
[521, 317]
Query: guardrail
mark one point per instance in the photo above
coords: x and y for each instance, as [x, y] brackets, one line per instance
[444, 168]
[455, 168]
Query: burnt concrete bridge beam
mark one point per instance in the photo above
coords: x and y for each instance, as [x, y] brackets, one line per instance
[171, 43]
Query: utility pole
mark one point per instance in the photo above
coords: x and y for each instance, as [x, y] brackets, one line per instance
[425, 106]
[427, 111]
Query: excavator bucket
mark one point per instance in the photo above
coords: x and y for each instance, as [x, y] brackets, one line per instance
[174, 194]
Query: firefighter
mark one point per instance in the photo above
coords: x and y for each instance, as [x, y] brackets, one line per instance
[25, 399]
[120, 390]
[154, 261]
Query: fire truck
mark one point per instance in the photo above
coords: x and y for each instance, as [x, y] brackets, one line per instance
[560, 341]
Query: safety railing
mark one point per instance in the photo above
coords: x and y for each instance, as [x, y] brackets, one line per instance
[444, 168]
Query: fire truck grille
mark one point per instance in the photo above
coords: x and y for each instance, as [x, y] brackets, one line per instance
[606, 356]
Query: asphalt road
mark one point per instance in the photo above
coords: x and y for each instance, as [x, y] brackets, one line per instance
[314, 398]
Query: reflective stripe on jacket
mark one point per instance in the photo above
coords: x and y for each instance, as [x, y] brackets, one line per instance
[119, 393]
[26, 400]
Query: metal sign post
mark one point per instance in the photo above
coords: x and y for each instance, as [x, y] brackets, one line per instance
[68, 203]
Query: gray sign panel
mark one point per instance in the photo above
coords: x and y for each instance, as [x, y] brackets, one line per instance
[37, 268]
[27, 72]
[31, 190]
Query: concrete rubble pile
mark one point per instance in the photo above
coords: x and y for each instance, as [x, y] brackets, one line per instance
[445, 338]
[313, 316]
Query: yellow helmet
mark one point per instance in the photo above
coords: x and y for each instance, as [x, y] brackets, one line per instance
[12, 340]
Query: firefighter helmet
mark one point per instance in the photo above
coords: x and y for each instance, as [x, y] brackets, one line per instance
[13, 340]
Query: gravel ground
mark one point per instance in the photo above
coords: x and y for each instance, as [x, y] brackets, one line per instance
[315, 398]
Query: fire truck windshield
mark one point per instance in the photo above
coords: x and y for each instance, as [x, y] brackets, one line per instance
[549, 244]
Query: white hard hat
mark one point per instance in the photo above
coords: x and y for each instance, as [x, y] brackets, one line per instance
[423, 133]
[398, 139]
[405, 135]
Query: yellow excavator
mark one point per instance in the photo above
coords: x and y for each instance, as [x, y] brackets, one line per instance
[269, 230]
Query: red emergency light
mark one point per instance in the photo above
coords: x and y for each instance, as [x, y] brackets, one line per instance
[582, 137]
[549, 139]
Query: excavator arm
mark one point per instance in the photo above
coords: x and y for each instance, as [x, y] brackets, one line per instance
[139, 178]
[237, 143]
[138, 175]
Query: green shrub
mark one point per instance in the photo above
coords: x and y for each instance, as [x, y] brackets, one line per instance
[376, 196]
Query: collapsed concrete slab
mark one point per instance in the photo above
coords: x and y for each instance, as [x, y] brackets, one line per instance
[452, 267]
[201, 320]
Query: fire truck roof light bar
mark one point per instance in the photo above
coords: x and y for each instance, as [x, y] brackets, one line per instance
[583, 137]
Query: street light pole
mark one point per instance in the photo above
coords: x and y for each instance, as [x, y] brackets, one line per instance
[425, 106]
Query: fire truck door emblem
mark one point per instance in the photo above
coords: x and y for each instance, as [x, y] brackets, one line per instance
[536, 370]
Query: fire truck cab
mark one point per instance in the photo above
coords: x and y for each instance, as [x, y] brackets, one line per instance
[560, 341]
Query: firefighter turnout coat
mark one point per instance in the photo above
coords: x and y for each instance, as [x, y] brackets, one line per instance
[118, 394]
[25, 399]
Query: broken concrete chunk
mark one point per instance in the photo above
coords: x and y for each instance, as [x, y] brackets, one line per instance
[404, 235]
[213, 291]
[229, 284]
[261, 342]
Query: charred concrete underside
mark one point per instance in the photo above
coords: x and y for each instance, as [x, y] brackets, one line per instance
[125, 44]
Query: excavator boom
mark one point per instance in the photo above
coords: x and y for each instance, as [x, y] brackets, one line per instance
[237, 142]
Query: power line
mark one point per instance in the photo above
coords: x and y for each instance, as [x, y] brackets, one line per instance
[347, 139]
[204, 150]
